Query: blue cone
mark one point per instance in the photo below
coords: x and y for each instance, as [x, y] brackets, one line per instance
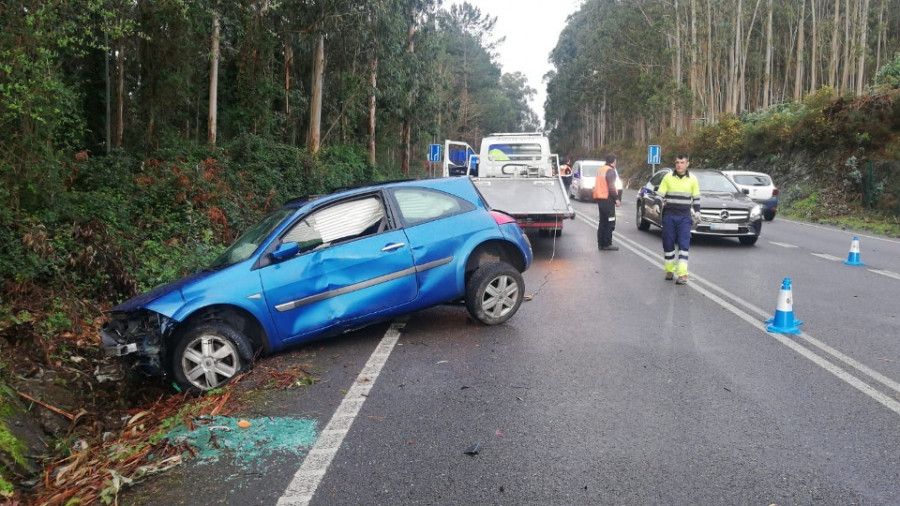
[784, 321]
[853, 257]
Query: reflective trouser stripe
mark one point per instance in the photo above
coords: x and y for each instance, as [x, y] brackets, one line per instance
[682, 263]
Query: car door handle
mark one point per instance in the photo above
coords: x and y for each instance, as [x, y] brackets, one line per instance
[391, 247]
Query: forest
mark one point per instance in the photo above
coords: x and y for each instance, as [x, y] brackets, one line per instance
[140, 137]
[635, 69]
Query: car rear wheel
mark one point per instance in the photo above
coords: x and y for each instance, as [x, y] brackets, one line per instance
[642, 223]
[494, 293]
[210, 355]
[769, 215]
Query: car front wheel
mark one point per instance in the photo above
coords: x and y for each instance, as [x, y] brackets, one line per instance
[642, 223]
[494, 293]
[210, 355]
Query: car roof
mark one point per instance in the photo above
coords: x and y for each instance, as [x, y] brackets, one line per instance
[338, 193]
[744, 172]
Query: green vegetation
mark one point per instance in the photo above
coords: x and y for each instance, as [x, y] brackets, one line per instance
[9, 445]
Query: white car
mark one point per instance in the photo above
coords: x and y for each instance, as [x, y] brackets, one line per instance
[585, 176]
[759, 187]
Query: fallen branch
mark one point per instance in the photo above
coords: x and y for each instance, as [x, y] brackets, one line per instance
[54, 409]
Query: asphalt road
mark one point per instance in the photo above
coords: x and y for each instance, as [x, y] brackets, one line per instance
[610, 386]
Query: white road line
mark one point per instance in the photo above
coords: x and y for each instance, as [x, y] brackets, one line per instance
[306, 480]
[828, 257]
[842, 374]
[886, 273]
[783, 244]
[840, 231]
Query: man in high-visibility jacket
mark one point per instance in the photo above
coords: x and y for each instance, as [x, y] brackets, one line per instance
[608, 198]
[679, 194]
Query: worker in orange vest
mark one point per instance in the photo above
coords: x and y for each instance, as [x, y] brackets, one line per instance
[608, 198]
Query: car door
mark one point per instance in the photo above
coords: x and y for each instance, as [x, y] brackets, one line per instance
[650, 195]
[349, 262]
[438, 226]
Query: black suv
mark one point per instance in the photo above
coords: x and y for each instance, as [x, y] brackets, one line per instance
[725, 211]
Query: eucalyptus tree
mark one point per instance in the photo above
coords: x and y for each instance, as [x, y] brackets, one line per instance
[468, 68]
[741, 55]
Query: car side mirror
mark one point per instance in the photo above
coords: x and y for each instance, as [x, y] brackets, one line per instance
[286, 250]
[577, 174]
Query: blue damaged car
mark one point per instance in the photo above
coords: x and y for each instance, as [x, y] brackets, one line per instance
[320, 267]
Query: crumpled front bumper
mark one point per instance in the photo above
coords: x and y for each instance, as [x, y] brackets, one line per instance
[138, 338]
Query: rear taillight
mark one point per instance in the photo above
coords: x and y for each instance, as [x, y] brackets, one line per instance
[502, 218]
[774, 192]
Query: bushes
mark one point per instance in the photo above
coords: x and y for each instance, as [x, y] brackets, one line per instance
[113, 226]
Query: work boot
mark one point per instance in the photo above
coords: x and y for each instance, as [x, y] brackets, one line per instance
[670, 276]
[682, 280]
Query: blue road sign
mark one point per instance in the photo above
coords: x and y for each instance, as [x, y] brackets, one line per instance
[434, 153]
[654, 154]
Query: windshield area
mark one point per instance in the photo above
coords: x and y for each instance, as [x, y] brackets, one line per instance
[714, 182]
[590, 170]
[250, 240]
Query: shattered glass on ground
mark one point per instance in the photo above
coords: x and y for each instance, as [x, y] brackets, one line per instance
[216, 437]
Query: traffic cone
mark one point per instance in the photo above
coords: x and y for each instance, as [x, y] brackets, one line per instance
[853, 257]
[784, 322]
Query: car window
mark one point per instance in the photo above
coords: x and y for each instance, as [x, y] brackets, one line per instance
[590, 170]
[752, 179]
[247, 243]
[337, 223]
[714, 182]
[514, 151]
[418, 205]
[657, 178]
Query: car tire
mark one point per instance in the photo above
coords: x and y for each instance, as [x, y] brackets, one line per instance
[210, 355]
[494, 293]
[769, 215]
[748, 240]
[642, 223]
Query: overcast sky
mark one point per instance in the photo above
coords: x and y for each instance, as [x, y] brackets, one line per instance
[532, 29]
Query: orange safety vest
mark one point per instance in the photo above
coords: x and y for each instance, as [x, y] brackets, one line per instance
[566, 169]
[601, 190]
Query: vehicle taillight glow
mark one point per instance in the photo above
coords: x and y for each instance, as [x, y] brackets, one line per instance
[775, 192]
[502, 218]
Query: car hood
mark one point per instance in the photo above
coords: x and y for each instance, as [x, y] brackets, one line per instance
[144, 299]
[725, 197]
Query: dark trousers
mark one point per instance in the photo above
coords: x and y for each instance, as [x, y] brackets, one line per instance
[607, 221]
[676, 228]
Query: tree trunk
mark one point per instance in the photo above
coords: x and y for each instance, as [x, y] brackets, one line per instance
[863, 33]
[835, 53]
[767, 73]
[696, 89]
[407, 135]
[745, 50]
[675, 121]
[845, 76]
[213, 84]
[734, 58]
[814, 57]
[120, 95]
[315, 103]
[370, 130]
[798, 71]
